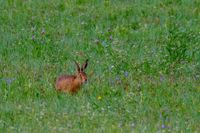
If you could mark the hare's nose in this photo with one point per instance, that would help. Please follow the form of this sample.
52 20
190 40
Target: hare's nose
84 80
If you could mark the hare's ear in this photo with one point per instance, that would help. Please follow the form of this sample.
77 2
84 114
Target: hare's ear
84 66
78 67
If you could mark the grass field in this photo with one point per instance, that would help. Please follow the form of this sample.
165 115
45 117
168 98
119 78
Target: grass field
144 66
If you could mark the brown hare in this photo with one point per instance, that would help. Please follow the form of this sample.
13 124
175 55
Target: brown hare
72 83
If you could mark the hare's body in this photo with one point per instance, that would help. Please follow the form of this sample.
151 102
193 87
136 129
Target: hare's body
67 83
72 83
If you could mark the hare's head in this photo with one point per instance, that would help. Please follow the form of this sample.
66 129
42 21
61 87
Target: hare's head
81 75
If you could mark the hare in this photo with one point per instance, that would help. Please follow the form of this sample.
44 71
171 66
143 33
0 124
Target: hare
72 83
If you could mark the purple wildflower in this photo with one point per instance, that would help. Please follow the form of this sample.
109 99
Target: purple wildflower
110 37
126 74
161 78
9 80
33 37
163 126
117 78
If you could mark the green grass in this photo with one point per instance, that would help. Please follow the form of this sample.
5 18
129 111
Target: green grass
144 65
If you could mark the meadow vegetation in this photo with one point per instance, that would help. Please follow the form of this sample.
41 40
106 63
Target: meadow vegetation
143 71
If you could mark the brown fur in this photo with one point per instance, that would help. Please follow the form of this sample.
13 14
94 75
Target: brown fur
72 83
